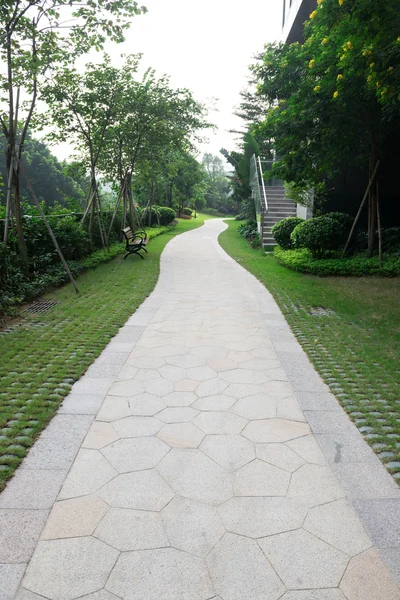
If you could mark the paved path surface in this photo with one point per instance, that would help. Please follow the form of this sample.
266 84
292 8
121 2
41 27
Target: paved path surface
200 477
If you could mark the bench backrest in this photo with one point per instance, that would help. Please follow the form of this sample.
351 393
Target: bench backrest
128 234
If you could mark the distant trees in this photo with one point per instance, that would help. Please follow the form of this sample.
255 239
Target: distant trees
217 191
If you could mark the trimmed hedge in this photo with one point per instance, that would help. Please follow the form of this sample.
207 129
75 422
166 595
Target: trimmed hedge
187 211
354 266
322 235
162 215
283 229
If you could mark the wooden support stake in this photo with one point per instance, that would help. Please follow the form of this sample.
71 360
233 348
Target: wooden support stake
49 229
361 207
378 213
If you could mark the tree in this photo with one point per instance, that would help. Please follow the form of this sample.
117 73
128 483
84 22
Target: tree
217 191
334 99
34 36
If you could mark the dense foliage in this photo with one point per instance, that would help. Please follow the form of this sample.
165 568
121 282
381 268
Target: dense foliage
283 229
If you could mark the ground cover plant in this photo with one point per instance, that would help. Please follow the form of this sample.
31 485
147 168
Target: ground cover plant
43 355
350 329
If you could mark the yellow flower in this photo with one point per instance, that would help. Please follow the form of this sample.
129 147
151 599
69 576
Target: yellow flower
347 46
319 1
324 41
311 63
369 78
377 84
317 88
398 39
339 77
342 57
384 91
371 66
336 94
367 53
313 14
341 2
390 69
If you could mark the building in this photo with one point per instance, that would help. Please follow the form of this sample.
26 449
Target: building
295 13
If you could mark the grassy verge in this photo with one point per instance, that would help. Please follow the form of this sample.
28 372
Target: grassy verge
44 355
353 342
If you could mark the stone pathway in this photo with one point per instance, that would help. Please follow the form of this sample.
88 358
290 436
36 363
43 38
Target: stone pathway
200 476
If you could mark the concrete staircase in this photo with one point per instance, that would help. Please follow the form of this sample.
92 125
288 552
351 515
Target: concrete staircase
279 208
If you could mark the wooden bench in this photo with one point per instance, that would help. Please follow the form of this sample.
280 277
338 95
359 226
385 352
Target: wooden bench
135 242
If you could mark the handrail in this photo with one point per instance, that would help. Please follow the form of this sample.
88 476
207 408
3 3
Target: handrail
263 185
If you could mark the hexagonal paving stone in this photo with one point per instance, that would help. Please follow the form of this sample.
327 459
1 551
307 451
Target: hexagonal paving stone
229 451
280 456
260 479
172 373
367 577
181 435
186 361
241 390
180 399
113 408
135 454
260 364
177 414
259 406
89 473
74 518
240 571
147 375
142 490
146 362
145 405
125 529
192 526
195 476
211 387
275 430
350 537
316 483
127 372
260 517
332 594
303 561
102 595
186 385
245 376
159 387
166 574
219 422
307 447
132 427
127 388
222 364
215 403
66 569
200 373
99 435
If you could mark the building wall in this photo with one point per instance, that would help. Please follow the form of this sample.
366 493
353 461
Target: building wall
295 13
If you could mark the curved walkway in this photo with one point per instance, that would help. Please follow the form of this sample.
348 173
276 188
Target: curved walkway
200 477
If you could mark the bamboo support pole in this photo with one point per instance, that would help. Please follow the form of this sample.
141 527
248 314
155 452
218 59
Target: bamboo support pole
49 229
361 207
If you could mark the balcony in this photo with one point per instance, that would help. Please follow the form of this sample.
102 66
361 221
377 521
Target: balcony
295 13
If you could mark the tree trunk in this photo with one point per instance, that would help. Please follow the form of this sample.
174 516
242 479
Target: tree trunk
18 223
373 199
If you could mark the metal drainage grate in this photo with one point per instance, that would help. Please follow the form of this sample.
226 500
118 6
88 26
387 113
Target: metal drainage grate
319 311
38 308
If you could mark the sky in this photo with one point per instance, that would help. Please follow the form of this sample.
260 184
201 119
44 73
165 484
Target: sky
205 46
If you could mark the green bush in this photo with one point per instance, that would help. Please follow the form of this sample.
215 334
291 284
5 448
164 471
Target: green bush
283 229
157 215
167 215
187 211
357 266
320 235
248 229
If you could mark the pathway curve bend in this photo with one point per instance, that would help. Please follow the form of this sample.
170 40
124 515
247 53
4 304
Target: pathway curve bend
210 469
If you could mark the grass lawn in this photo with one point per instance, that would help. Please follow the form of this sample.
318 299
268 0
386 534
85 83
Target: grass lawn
46 354
354 343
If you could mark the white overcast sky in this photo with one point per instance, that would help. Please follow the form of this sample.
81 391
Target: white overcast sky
205 46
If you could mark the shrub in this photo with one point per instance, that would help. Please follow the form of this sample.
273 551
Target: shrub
355 266
187 211
157 215
283 229
223 210
320 235
248 229
167 215
342 218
